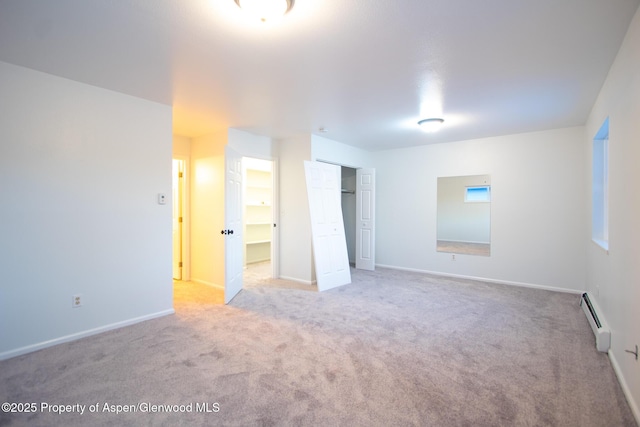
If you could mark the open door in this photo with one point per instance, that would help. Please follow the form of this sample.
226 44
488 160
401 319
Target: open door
327 228
233 224
365 221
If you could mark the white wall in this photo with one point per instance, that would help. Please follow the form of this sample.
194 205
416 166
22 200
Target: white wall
295 222
181 147
207 209
250 145
537 207
80 171
328 150
613 278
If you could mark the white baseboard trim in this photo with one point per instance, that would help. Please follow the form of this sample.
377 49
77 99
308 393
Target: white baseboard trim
484 279
304 282
72 337
625 388
204 282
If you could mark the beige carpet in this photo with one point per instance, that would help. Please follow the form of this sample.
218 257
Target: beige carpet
390 349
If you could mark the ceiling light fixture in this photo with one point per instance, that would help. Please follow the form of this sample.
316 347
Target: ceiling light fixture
431 125
266 9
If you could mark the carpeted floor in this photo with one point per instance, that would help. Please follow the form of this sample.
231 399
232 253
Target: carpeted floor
391 349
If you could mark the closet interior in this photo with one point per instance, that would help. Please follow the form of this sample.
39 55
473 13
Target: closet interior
348 186
258 216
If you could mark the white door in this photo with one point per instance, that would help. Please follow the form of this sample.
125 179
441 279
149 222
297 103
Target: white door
233 224
327 229
365 221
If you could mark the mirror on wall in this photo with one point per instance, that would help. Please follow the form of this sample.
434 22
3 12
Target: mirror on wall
464 215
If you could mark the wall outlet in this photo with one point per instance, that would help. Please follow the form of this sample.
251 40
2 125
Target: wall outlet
76 301
453 257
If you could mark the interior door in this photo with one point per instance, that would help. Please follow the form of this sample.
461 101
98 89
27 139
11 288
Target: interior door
327 228
177 224
365 221
233 224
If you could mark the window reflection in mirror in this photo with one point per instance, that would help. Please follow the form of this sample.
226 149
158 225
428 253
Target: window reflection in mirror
464 215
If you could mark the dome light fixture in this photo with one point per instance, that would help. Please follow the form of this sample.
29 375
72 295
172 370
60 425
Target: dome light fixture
266 10
431 125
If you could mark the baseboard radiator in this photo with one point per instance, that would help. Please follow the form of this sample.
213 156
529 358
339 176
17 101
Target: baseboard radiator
598 325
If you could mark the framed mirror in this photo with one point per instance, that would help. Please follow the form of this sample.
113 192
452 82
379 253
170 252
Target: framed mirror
464 215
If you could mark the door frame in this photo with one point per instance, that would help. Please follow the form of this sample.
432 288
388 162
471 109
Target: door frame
275 211
275 217
186 215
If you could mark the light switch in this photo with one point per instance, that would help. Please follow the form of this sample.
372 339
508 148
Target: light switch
162 198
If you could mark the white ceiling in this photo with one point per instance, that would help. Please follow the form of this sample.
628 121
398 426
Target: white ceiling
367 70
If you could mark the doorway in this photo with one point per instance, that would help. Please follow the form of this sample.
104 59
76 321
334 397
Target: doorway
348 199
358 213
259 223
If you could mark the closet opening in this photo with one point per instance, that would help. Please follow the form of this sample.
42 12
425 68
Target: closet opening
358 214
349 213
258 218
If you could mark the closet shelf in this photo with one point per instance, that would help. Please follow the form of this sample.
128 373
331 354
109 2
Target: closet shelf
258 242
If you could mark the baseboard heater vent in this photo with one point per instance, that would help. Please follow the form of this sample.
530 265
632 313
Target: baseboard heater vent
599 327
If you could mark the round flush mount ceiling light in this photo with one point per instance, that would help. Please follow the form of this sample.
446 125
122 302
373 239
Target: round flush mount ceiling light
266 9
431 125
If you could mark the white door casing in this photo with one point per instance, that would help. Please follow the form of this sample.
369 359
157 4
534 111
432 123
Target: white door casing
177 215
365 220
233 224
327 227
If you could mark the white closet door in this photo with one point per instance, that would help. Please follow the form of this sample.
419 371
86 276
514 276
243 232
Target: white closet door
327 228
233 224
366 219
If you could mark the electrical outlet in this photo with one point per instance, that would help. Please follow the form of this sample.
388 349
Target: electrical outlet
453 257
76 301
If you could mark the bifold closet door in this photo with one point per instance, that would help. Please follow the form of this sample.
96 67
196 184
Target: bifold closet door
366 219
327 227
